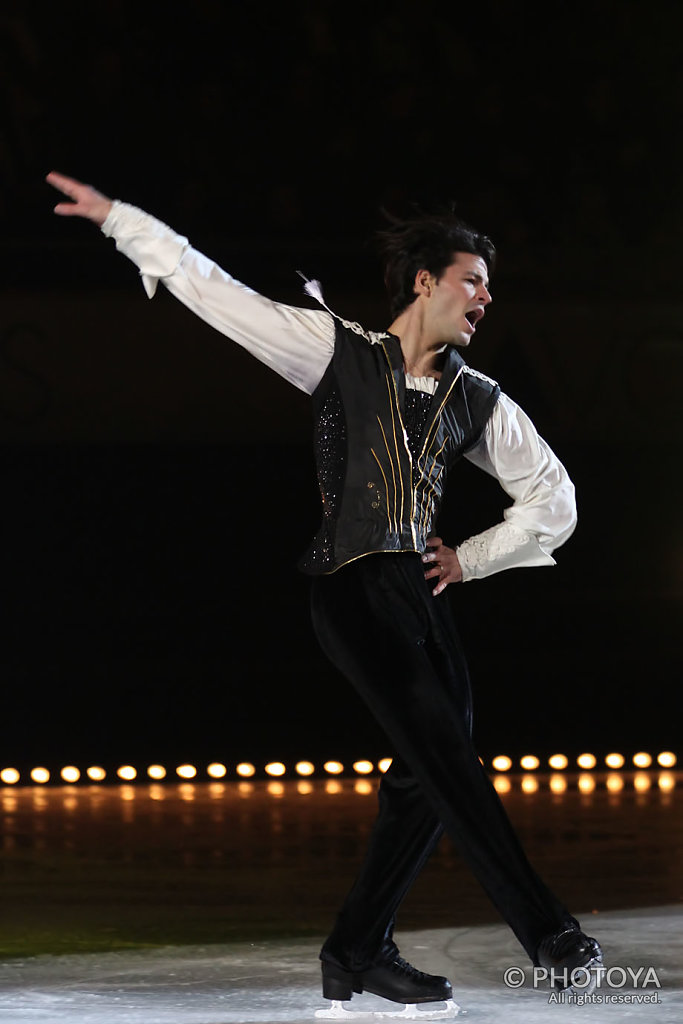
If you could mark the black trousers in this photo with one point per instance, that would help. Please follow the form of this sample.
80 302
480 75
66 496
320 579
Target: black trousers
380 625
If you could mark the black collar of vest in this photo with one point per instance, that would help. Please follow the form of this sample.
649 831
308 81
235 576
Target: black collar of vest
452 365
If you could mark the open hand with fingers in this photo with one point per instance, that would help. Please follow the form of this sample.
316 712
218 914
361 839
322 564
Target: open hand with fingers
85 200
444 562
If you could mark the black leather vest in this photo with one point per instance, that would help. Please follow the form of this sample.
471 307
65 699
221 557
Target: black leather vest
376 495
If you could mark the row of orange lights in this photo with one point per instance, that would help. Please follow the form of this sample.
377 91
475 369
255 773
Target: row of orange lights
275 769
558 762
215 770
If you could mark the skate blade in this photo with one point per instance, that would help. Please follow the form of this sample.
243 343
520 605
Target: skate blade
411 1011
594 968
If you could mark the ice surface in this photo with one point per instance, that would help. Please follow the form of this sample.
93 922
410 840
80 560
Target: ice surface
274 982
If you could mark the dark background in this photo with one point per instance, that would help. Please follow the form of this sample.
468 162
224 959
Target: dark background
157 482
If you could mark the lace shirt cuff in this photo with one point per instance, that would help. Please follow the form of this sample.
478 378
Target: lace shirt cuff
504 546
543 513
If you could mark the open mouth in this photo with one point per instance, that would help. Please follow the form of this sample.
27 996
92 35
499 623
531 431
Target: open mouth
473 316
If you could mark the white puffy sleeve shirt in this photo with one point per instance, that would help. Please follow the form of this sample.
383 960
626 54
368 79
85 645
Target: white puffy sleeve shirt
298 344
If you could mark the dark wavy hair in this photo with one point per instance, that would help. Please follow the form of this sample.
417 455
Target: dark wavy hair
425 241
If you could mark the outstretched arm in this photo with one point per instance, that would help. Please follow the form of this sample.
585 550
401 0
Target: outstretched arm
296 343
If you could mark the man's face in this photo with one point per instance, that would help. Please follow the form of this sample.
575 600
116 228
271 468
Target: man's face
458 300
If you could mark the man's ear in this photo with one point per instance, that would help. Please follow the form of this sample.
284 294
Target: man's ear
423 283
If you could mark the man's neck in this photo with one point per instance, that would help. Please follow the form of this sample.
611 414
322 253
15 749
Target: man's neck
422 356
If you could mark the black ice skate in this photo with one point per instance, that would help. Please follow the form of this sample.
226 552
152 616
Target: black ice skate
571 958
397 981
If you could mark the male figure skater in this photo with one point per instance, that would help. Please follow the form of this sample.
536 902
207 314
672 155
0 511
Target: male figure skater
394 411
